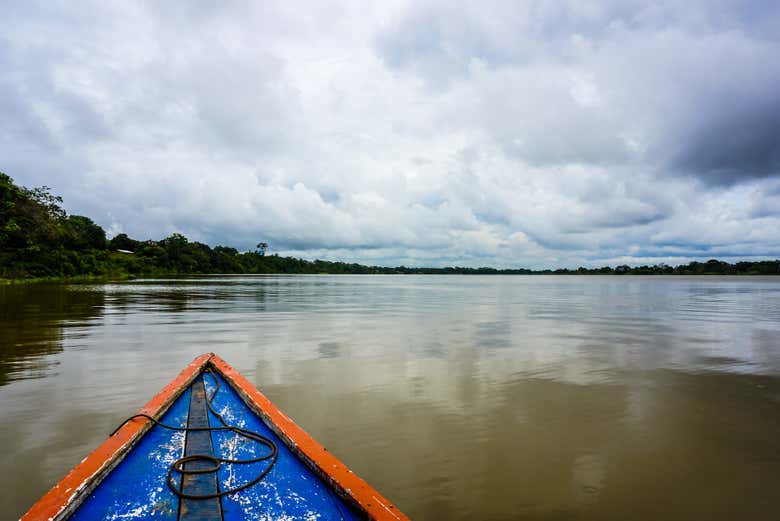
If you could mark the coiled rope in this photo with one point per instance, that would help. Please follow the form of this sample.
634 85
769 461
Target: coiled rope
178 465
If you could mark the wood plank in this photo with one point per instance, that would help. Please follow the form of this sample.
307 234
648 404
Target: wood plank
199 442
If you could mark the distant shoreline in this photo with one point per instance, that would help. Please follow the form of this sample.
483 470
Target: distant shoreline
89 279
40 242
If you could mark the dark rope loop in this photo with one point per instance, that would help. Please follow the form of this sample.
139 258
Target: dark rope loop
178 465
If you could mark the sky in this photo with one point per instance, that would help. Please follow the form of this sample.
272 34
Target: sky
508 134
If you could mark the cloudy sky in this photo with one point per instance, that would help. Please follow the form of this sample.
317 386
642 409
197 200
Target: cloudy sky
539 134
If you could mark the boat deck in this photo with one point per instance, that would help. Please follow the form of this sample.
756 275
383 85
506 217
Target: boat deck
136 488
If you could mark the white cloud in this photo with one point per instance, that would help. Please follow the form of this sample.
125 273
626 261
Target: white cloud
509 134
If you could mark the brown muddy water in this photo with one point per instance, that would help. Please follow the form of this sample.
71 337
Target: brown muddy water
463 397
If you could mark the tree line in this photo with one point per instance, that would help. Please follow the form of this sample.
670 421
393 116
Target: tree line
38 239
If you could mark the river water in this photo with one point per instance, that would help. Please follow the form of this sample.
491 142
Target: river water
462 397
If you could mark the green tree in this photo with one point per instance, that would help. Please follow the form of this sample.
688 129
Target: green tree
83 233
28 217
123 242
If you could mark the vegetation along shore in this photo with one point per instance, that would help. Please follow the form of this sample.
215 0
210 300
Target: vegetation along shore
40 241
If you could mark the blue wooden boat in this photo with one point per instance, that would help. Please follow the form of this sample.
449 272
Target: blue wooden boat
211 446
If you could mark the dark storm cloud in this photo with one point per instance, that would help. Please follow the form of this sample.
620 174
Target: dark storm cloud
731 143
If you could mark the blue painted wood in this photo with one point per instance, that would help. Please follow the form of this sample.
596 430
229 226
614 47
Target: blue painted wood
136 488
290 491
199 442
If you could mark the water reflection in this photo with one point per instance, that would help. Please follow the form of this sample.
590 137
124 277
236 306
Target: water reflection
32 318
329 349
458 397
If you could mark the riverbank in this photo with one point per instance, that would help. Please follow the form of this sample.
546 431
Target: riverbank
125 277
68 280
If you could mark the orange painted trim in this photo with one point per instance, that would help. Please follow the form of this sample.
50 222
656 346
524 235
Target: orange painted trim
307 448
86 474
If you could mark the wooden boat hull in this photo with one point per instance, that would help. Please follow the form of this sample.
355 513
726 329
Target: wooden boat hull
125 478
